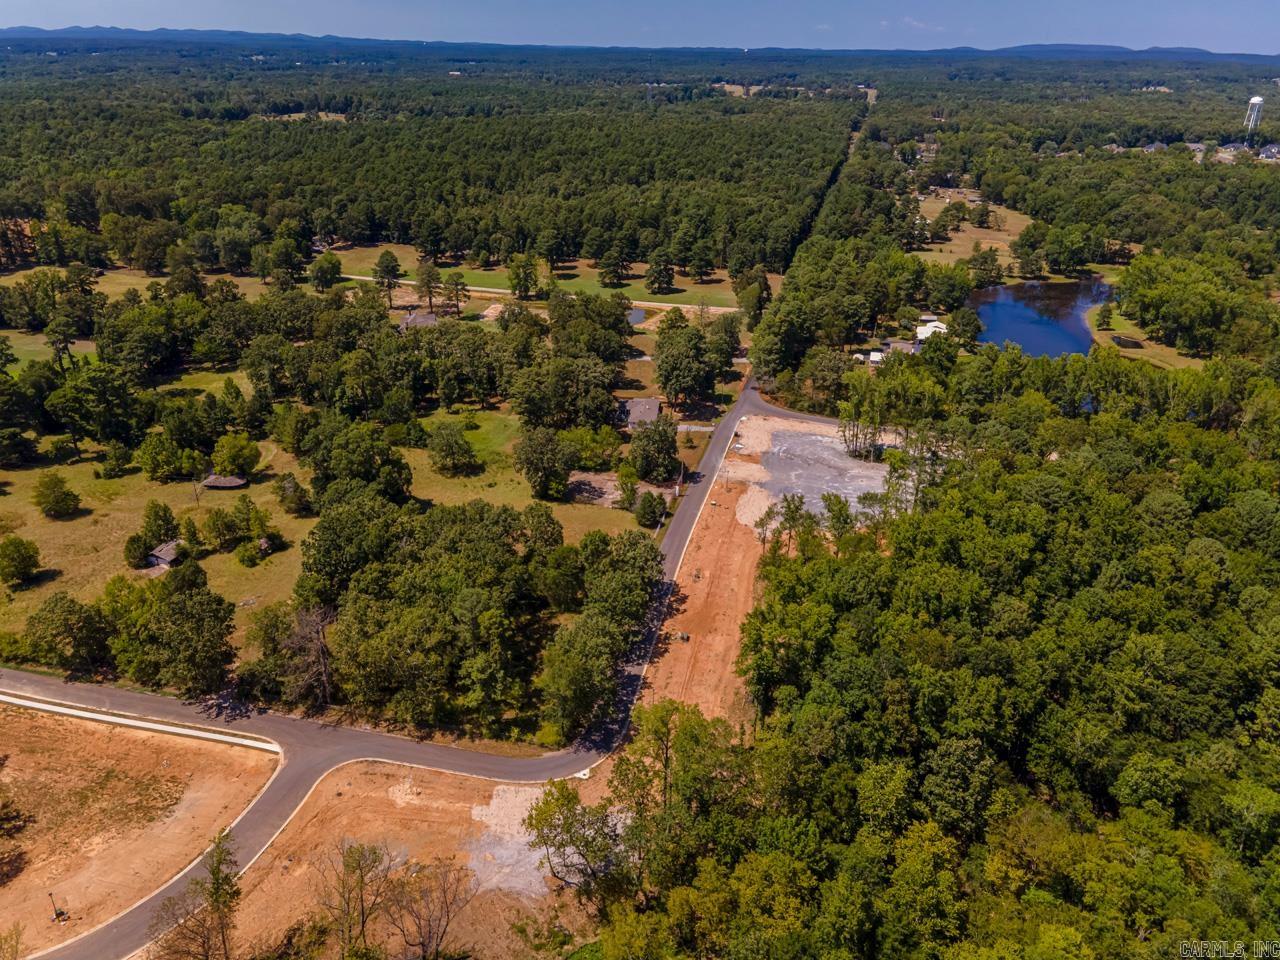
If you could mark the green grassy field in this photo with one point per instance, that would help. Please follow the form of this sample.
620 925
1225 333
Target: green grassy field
32 346
116 281
1150 351
960 244
81 554
202 379
579 277
499 482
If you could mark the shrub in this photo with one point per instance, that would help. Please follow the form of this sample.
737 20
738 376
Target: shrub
116 462
650 509
54 498
19 559
294 497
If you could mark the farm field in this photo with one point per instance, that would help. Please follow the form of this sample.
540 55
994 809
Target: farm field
113 813
81 554
577 277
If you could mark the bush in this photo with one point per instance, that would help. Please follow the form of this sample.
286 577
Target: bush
54 498
650 509
594 449
294 497
627 484
249 554
19 559
116 462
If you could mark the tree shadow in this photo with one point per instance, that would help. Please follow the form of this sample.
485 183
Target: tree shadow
228 706
12 863
42 577
704 409
78 513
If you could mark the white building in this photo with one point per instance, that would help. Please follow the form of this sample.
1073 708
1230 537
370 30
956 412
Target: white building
928 326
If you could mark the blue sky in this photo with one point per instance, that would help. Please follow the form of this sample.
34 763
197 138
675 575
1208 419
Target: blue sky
1251 26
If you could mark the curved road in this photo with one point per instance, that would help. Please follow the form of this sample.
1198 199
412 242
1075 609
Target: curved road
309 749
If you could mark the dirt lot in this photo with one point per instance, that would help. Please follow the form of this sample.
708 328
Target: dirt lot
771 456
114 812
716 592
417 814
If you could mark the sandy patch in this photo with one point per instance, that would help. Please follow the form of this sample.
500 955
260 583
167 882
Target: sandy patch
751 506
755 434
115 813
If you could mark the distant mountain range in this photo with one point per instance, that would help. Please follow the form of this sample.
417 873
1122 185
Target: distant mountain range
1031 50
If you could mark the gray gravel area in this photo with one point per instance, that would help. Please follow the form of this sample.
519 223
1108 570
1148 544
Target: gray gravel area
812 465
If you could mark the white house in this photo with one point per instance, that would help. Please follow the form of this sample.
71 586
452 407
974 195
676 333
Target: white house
928 326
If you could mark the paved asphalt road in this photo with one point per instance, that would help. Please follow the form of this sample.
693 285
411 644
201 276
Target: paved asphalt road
310 748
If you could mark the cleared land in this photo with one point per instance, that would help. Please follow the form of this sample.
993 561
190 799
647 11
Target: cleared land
114 813
576 276
420 815
960 244
80 554
715 592
716 584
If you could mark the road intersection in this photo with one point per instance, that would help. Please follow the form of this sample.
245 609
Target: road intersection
309 749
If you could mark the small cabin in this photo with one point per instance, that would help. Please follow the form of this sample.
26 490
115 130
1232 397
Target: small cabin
164 556
218 481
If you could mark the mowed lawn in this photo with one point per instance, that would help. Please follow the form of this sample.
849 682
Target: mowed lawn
33 346
116 281
81 554
500 483
576 277
960 244
1151 351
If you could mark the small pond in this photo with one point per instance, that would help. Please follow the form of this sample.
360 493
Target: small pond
1045 319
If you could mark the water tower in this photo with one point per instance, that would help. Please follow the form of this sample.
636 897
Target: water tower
1253 116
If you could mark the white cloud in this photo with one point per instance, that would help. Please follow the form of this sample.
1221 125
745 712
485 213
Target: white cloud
921 25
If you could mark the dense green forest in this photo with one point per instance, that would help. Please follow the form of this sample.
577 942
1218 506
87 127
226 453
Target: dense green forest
481 168
1021 705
